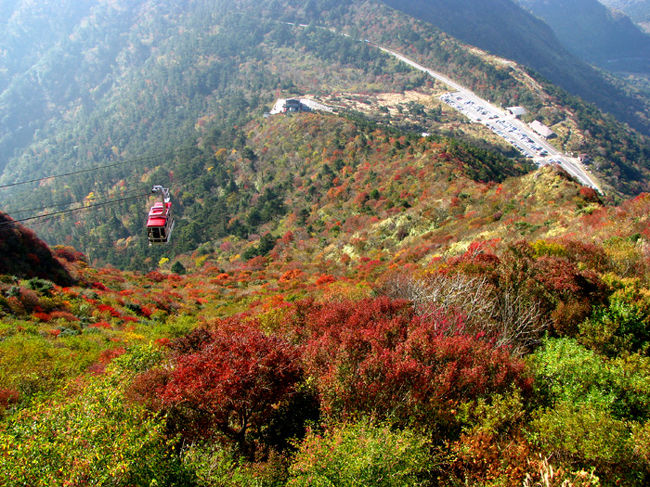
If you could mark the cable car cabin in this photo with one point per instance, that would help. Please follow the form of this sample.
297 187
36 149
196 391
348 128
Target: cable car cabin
160 223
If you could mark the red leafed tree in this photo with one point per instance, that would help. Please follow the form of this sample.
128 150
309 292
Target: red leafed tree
377 356
236 379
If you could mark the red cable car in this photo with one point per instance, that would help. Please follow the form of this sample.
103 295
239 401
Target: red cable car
161 220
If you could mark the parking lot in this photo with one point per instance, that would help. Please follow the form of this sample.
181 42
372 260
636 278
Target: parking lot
505 126
519 138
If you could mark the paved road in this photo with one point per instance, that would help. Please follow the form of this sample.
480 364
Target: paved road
511 129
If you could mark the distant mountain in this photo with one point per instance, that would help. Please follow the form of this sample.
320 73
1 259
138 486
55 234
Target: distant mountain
637 10
55 56
596 34
24 255
504 28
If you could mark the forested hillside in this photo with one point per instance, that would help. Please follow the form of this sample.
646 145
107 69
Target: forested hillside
174 94
508 360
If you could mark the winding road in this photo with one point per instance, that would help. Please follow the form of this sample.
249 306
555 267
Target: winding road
498 116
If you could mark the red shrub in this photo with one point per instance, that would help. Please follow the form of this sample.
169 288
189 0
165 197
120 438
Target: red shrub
29 299
588 194
7 397
146 311
287 238
484 458
64 315
325 279
100 324
237 378
98 285
591 254
69 254
564 291
174 278
377 356
146 386
155 276
108 355
557 274
361 198
105 308
478 258
291 275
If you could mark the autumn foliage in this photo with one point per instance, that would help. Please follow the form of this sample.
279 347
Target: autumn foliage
26 255
236 378
378 356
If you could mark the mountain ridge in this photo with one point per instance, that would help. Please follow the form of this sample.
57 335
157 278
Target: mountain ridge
637 10
596 34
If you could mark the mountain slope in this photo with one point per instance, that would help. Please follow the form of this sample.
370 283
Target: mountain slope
507 30
120 375
465 299
595 34
30 29
183 102
637 10
24 255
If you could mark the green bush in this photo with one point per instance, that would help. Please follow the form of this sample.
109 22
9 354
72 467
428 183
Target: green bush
594 410
30 364
567 371
621 326
216 465
87 437
179 268
139 359
42 286
361 454
586 436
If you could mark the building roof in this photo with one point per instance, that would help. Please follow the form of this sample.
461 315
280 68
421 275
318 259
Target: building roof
517 111
541 129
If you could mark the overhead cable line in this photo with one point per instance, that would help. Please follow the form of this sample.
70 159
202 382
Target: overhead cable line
97 168
61 206
49 216
65 205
